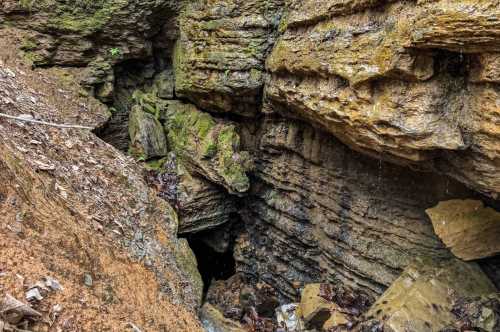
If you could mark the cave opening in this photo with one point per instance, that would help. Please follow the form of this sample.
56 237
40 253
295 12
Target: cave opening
213 263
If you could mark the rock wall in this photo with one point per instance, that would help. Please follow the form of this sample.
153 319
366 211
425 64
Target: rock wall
396 80
319 211
402 82
358 115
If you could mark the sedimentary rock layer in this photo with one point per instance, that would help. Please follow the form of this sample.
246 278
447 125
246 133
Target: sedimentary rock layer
219 59
77 33
319 211
411 83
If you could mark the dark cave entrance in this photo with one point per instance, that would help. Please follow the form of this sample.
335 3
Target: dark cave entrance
213 264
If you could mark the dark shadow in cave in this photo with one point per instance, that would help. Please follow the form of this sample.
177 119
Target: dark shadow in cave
211 264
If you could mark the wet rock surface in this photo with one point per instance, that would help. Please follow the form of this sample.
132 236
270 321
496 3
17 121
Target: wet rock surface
389 78
319 211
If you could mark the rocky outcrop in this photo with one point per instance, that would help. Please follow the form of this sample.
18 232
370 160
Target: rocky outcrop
422 298
78 33
207 147
321 212
200 204
75 209
393 81
469 229
220 54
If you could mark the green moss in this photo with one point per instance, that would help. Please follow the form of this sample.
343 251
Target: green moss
233 165
28 44
81 16
155 164
211 147
33 58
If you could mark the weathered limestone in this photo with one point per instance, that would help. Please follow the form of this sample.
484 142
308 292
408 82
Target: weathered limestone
352 47
200 204
421 299
486 68
471 26
76 33
391 80
207 147
469 229
219 58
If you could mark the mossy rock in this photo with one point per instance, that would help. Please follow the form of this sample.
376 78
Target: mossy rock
207 146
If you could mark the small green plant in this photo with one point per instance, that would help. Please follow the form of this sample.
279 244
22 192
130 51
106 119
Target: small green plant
115 52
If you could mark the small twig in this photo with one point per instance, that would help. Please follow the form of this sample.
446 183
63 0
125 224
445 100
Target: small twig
58 125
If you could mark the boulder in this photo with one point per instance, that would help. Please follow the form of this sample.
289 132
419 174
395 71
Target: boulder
318 312
201 205
147 136
213 320
207 146
467 227
422 298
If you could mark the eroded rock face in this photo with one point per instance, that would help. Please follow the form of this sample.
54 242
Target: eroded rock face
469 229
200 204
422 298
76 33
391 81
219 60
321 212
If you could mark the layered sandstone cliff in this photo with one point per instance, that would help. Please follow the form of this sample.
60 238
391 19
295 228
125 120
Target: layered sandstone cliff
323 129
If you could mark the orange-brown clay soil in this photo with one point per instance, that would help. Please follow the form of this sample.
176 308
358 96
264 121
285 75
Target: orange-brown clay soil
72 205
